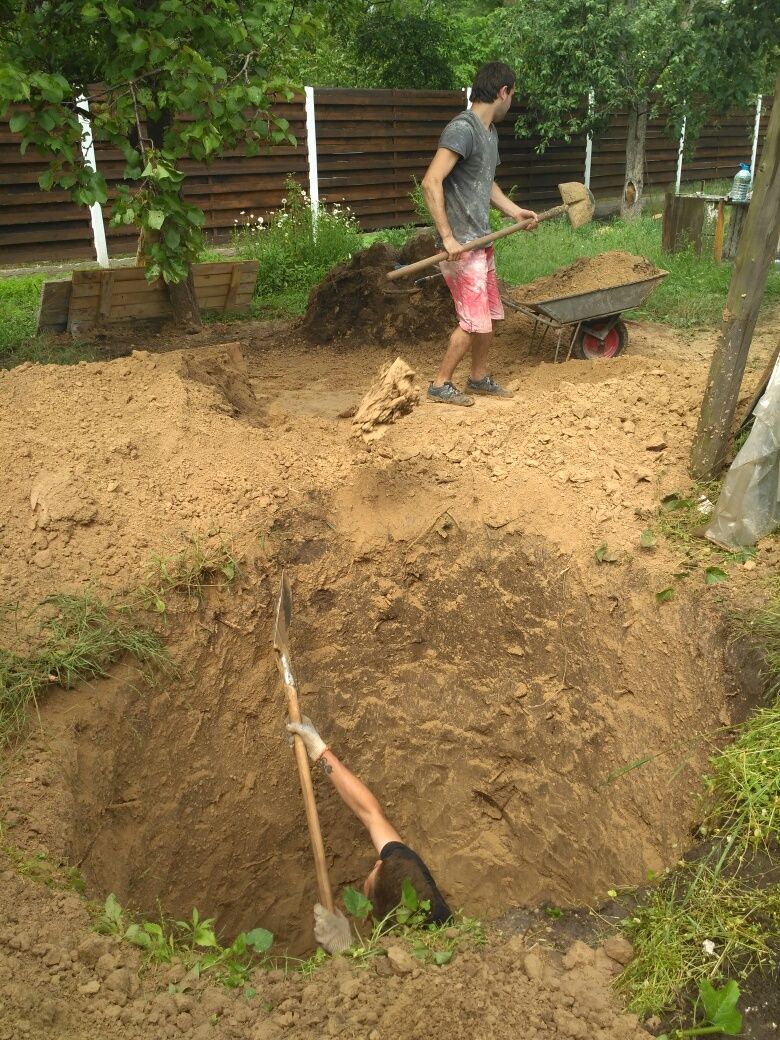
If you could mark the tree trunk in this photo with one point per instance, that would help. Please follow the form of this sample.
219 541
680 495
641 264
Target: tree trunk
755 252
631 203
184 302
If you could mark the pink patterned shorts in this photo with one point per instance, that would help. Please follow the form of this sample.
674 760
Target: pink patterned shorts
472 281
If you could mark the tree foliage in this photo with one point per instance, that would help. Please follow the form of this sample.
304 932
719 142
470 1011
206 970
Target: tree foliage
165 81
686 57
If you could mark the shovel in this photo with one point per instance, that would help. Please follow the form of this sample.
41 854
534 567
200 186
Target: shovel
282 650
578 205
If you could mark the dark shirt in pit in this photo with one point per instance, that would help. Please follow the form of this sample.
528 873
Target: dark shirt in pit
440 913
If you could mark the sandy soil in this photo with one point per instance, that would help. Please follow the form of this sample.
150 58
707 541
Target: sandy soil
587 275
455 639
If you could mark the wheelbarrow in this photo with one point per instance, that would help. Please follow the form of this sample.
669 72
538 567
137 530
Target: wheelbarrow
597 329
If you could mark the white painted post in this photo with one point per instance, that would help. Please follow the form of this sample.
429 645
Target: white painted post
468 97
95 210
680 156
756 130
311 147
589 140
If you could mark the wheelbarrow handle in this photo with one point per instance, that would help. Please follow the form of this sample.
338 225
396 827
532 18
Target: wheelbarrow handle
477 243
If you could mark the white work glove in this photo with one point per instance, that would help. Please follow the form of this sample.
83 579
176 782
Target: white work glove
331 930
315 745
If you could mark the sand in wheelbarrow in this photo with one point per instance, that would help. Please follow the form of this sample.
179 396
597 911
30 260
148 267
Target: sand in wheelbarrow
587 275
356 303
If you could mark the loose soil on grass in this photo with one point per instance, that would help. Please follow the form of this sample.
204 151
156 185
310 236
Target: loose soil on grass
455 640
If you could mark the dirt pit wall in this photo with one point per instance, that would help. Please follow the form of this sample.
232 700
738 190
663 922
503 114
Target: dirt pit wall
486 692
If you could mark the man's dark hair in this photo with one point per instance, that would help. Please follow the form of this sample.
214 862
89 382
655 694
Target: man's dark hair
490 79
404 865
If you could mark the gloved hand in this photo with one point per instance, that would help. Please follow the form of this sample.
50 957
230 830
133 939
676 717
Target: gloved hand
305 729
331 930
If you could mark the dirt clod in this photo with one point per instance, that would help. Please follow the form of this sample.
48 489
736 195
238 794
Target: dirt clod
393 395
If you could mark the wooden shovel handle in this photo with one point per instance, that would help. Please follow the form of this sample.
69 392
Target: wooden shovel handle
310 806
477 243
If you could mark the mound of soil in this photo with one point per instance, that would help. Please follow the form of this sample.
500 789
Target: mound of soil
587 275
355 301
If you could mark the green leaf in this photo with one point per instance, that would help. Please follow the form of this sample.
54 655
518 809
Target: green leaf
229 570
155 218
18 122
647 539
172 237
356 904
46 180
136 935
442 957
409 895
720 1006
714 575
604 554
665 595
260 939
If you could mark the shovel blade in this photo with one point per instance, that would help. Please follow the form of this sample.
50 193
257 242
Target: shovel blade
282 618
579 202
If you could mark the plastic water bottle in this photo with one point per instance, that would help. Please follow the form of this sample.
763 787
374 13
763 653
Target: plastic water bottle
742 183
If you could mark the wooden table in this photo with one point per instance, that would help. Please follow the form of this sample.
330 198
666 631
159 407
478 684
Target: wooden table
684 223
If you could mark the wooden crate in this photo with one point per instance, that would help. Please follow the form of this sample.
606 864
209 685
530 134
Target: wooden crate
125 294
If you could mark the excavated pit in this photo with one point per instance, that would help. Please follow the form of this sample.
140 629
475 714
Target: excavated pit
483 688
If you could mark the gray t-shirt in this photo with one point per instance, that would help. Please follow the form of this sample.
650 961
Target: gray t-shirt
467 188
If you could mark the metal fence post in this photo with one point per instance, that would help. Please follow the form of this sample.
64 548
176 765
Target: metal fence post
95 210
756 132
311 148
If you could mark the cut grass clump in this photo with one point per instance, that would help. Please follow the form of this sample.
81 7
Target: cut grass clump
697 925
681 517
82 638
196 567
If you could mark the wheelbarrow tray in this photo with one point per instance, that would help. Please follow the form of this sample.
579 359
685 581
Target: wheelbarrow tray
599 303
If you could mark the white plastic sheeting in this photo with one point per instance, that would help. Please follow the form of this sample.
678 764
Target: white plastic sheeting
749 504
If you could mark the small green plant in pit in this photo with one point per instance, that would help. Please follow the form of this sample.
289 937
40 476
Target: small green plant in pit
82 638
720 1012
697 924
429 943
196 567
194 942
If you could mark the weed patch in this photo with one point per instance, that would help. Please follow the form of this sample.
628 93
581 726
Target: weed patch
81 638
19 299
196 567
295 249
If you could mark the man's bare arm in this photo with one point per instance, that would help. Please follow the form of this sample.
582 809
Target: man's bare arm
432 185
363 803
505 205
353 791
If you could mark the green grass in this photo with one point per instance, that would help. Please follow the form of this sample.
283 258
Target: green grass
697 905
718 901
191 570
692 296
81 637
19 299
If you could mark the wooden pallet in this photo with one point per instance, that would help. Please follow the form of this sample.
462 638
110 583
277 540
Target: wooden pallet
98 298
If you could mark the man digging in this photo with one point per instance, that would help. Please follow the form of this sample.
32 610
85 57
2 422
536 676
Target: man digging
459 188
396 864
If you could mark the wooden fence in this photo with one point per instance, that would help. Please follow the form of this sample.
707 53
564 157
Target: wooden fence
370 146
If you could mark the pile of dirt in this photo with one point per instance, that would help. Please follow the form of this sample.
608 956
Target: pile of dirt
587 275
355 302
393 395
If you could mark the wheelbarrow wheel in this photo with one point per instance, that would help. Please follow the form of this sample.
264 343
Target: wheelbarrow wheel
588 347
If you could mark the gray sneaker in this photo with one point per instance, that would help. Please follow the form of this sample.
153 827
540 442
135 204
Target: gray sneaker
488 387
448 394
